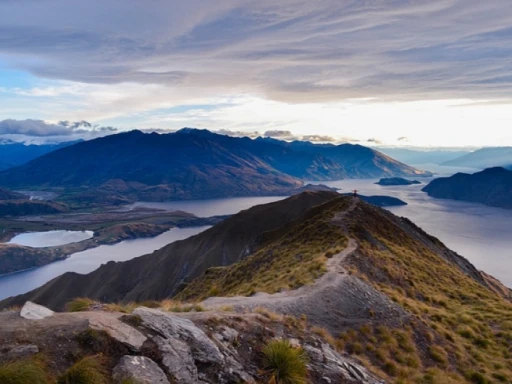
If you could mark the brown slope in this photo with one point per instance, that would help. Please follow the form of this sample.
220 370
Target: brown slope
160 274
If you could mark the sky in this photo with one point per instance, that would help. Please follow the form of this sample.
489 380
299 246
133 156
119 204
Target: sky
434 73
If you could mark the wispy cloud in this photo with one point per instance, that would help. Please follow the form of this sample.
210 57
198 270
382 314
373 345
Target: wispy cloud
291 50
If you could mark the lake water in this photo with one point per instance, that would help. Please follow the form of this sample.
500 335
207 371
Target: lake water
88 261
50 238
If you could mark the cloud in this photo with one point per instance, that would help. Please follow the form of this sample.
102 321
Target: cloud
30 128
294 51
403 138
374 141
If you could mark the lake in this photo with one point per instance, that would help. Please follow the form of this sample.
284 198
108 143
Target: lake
50 238
88 261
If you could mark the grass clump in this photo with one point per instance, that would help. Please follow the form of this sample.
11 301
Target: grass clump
79 304
284 364
89 370
23 372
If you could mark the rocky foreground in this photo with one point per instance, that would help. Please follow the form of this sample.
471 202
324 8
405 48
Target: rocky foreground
156 346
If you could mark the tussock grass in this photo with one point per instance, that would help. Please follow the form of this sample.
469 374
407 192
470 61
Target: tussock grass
89 370
79 304
284 364
27 371
460 331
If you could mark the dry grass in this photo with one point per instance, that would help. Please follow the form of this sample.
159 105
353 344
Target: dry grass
461 331
89 370
79 304
28 371
286 259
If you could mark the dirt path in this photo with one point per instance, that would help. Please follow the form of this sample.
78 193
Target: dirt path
335 301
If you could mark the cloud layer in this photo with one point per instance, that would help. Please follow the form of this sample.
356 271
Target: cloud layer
290 50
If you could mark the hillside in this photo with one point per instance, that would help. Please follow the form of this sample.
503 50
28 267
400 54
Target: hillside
169 267
492 187
13 154
10 195
195 164
484 158
373 285
30 207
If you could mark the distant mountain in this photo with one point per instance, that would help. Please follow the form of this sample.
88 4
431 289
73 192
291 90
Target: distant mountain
484 158
396 181
422 156
197 164
492 187
13 153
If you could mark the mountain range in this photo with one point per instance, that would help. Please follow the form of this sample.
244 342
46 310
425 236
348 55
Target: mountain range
423 156
484 158
492 186
13 153
196 164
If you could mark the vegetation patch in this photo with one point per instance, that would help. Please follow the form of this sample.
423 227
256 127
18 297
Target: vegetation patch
284 363
79 304
29 371
89 370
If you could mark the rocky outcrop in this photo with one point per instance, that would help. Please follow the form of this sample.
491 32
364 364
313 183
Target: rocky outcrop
32 311
139 369
156 346
118 330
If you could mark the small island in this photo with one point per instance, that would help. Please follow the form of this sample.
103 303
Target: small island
381 201
386 182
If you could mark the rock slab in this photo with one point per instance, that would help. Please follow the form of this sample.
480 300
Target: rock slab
32 311
118 330
140 369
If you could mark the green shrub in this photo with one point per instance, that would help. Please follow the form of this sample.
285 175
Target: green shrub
79 304
23 372
89 370
284 364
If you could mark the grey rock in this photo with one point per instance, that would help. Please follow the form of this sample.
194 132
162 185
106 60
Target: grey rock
22 351
172 327
332 366
139 368
229 334
177 359
118 330
32 311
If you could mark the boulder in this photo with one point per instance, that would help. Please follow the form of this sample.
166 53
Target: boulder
177 359
21 351
140 369
118 330
173 327
32 311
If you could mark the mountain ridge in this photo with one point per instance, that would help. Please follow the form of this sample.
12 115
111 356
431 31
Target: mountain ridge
195 164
